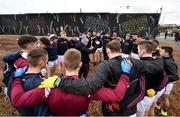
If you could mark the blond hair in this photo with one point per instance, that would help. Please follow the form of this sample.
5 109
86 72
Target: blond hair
72 58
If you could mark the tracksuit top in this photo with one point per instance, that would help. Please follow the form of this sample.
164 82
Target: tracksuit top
171 69
97 38
85 53
52 52
62 46
31 81
155 81
134 47
126 47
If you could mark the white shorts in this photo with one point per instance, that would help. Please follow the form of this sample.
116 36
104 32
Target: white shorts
60 58
135 55
144 105
134 115
159 94
168 88
125 55
52 63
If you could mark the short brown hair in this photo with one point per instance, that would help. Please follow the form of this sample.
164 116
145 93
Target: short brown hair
114 46
45 41
168 49
72 58
24 40
35 56
155 43
147 45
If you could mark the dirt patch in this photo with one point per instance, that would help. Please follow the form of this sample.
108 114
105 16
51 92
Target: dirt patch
9 44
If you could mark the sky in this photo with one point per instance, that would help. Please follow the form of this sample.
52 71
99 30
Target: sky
170 13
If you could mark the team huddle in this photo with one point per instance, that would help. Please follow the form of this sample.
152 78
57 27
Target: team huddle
49 76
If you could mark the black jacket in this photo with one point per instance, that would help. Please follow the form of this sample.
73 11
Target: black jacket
62 46
126 46
134 47
155 81
72 44
156 53
100 76
89 42
52 52
97 39
85 52
171 69
135 90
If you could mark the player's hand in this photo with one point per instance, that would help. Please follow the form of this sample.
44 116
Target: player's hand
20 72
126 66
51 82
